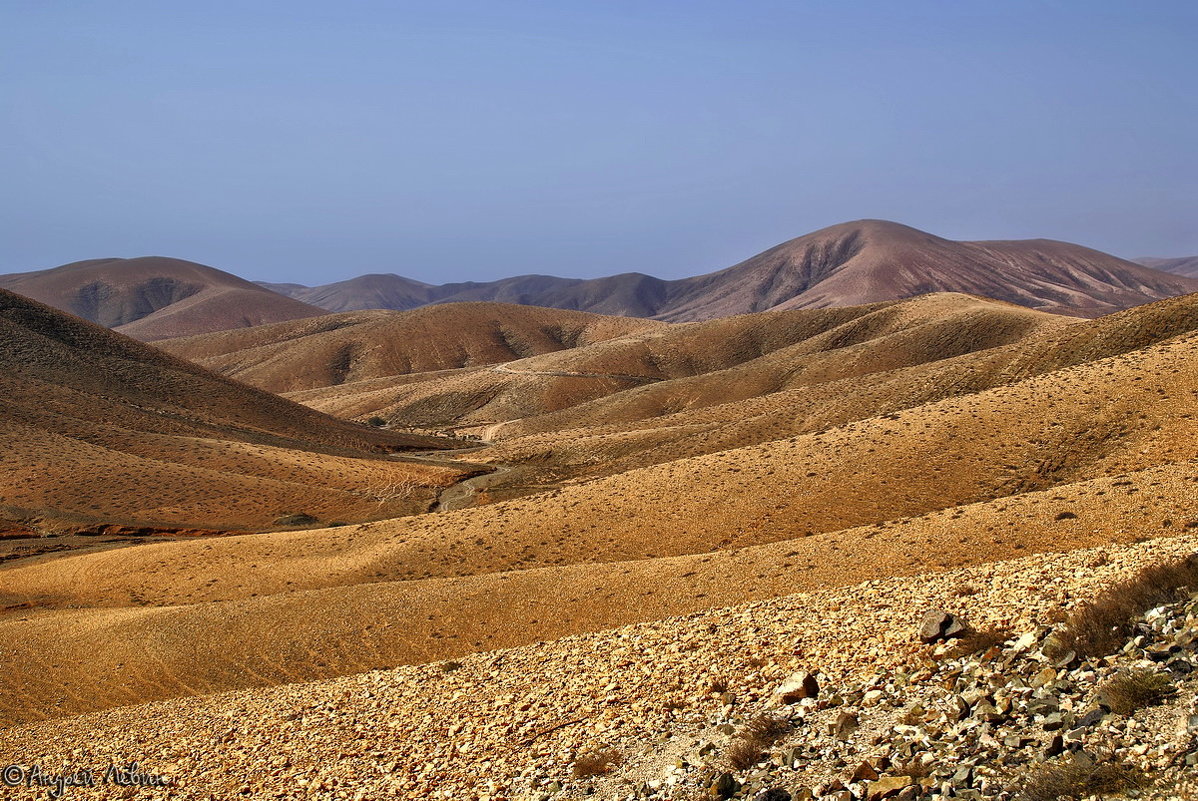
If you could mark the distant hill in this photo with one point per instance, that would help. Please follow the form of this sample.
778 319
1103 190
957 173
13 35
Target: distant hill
849 264
628 295
373 291
101 429
1186 265
153 297
353 346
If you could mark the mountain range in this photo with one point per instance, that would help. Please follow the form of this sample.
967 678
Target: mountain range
843 265
866 261
478 496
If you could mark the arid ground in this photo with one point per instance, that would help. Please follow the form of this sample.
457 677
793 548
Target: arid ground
558 505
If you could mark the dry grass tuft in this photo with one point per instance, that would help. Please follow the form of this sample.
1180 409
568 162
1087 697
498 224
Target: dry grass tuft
1072 780
597 763
1101 626
758 734
1129 690
744 754
765 729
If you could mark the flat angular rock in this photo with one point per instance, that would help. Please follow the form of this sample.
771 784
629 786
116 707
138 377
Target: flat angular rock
724 786
886 787
797 687
938 625
864 772
846 723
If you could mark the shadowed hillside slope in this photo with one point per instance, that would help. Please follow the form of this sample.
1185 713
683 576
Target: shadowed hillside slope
729 359
675 419
98 428
352 346
1094 420
153 297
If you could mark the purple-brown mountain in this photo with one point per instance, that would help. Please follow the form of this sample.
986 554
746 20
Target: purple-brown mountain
154 297
844 265
1186 265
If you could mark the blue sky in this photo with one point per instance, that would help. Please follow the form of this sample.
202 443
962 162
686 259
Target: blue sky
312 141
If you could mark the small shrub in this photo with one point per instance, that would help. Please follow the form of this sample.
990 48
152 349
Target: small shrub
765 729
297 519
1072 780
758 734
597 763
1129 690
1100 627
744 754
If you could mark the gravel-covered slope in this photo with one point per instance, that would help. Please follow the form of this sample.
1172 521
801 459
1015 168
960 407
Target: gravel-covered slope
513 724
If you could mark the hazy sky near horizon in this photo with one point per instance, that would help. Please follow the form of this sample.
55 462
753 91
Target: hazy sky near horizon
471 140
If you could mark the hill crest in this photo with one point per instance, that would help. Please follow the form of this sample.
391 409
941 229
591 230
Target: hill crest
154 297
851 263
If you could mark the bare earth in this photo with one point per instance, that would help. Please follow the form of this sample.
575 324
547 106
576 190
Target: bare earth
669 502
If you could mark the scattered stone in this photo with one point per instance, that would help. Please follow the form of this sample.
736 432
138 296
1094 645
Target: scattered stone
846 723
886 787
724 786
864 772
1055 746
797 687
938 625
773 794
973 725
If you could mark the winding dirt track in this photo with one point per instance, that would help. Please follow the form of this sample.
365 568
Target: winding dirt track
463 494
499 368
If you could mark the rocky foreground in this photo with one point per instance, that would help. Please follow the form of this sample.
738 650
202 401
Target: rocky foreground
831 695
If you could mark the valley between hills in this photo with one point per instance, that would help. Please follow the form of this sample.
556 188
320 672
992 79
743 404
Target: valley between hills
456 549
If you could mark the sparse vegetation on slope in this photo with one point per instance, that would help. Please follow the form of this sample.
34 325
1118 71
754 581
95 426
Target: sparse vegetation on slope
99 429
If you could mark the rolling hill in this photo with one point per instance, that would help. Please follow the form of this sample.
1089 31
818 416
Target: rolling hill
153 297
1185 266
373 291
656 370
352 346
1081 443
848 264
100 429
